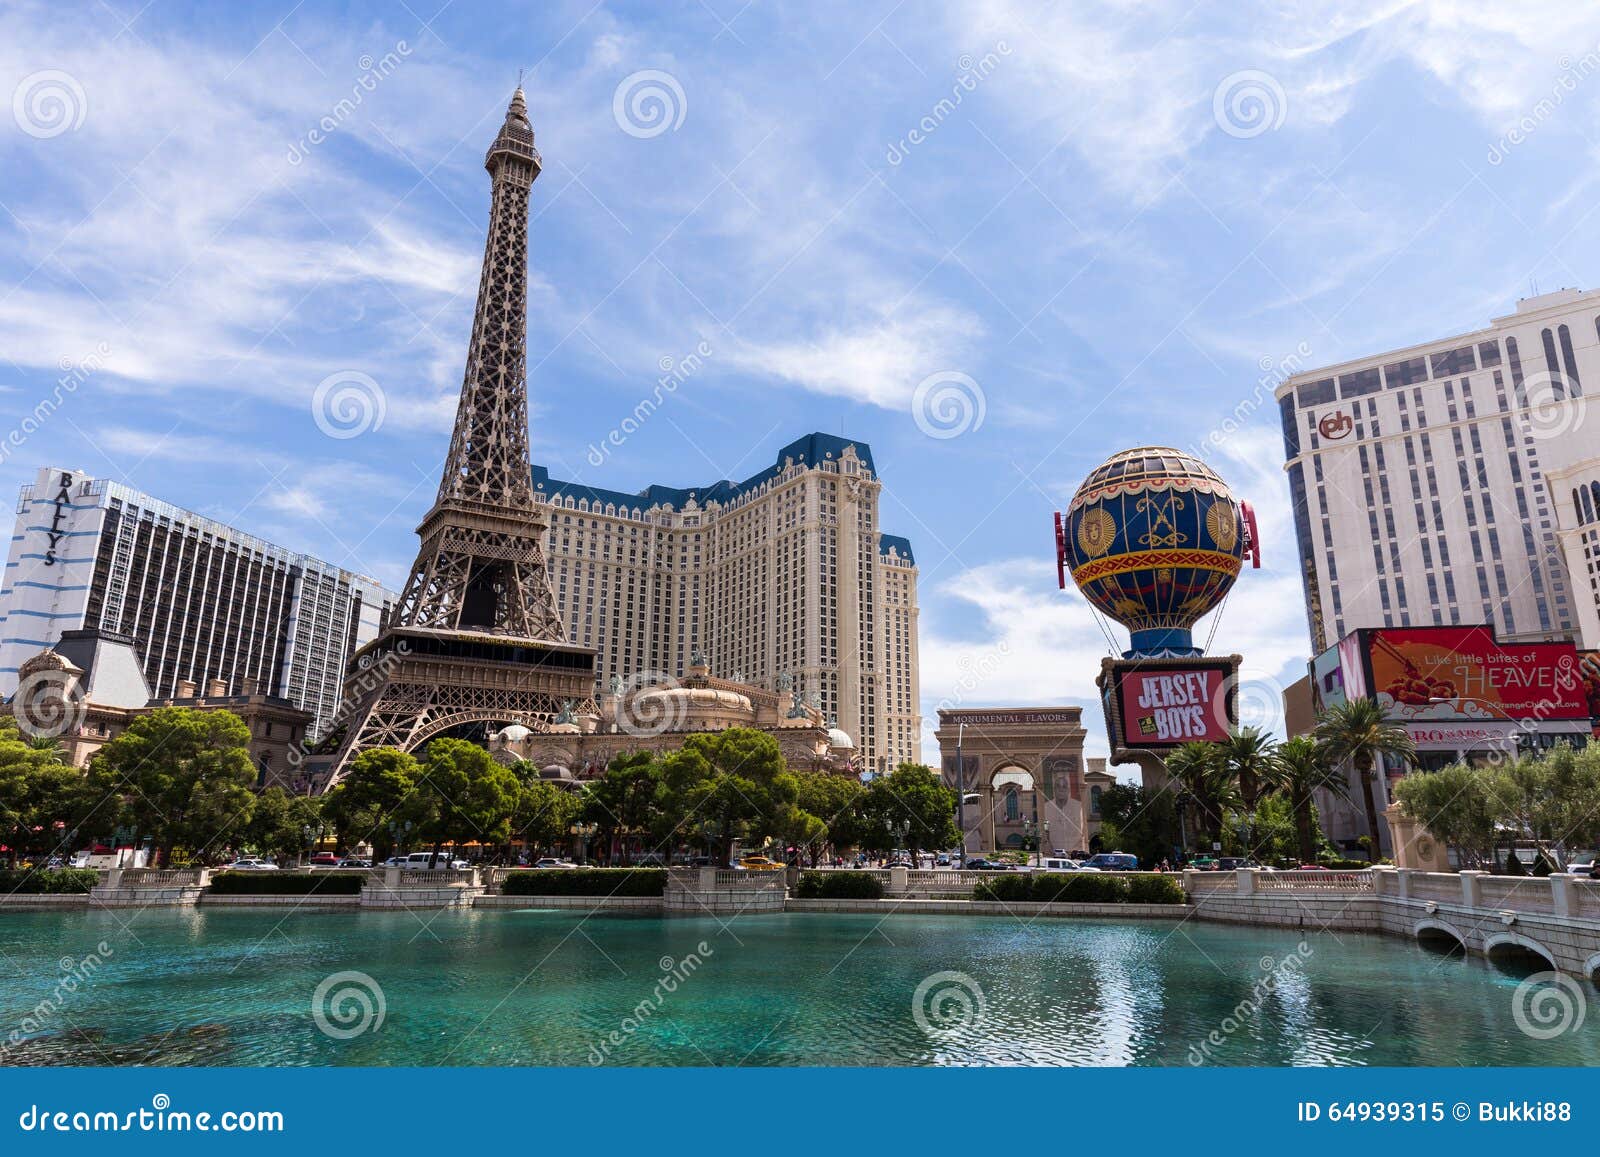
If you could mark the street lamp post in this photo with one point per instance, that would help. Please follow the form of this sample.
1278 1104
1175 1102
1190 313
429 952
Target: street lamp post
961 797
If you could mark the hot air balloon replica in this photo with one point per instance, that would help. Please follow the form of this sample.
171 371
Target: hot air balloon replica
1154 540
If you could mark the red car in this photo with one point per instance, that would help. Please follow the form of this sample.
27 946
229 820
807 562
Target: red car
325 860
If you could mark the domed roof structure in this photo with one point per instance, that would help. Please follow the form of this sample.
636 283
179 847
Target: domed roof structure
1154 539
514 733
838 738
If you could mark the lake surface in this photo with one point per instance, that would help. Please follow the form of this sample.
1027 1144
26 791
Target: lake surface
251 987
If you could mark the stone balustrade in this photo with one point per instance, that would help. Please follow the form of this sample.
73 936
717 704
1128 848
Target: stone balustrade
1556 918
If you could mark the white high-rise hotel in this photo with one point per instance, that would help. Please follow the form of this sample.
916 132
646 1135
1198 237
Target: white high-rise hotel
783 573
1454 482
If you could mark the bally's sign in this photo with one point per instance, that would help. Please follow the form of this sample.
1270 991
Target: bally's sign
63 504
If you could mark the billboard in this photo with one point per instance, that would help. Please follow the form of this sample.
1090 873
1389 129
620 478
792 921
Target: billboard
1464 674
1327 680
1166 706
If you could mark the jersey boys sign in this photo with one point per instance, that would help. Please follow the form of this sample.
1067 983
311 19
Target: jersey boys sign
1166 707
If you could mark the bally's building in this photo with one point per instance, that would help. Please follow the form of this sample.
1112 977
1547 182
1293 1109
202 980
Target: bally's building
785 573
201 601
1456 481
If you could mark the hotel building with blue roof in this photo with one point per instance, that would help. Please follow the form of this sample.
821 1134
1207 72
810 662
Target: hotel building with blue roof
785 572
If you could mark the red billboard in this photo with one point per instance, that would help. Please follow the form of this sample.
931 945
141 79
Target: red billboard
1166 706
1464 673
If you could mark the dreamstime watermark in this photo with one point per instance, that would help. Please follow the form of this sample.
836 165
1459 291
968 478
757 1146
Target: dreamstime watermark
948 404
372 73
73 375
1275 971
1273 373
347 404
160 1117
645 706
48 103
1253 698
674 372
970 74
948 1005
357 690
1550 410
75 975
1549 1004
674 973
49 703
1248 103
648 103
349 1004
1573 74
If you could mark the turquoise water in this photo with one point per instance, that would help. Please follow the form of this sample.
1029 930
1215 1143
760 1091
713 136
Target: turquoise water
520 988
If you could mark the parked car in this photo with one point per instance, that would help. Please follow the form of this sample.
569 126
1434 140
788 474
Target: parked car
1114 862
324 860
252 864
942 859
549 862
1582 864
759 864
979 864
1063 864
427 860
354 862
1311 867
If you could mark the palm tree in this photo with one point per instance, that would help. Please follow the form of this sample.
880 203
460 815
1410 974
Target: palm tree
1304 766
1197 768
1357 732
1248 756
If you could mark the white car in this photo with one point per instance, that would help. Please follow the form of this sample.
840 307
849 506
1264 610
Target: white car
252 864
549 863
1052 864
426 860
1582 864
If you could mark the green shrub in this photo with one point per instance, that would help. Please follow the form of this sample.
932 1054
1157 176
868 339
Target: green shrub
839 886
585 882
1342 865
41 881
1154 890
1080 888
287 883
1011 887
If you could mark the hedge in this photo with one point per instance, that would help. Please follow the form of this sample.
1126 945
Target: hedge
839 886
1079 888
39 881
287 883
585 882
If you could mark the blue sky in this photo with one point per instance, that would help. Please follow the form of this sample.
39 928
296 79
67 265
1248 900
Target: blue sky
1119 221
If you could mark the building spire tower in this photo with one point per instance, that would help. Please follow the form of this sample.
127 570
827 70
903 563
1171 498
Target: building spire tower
476 637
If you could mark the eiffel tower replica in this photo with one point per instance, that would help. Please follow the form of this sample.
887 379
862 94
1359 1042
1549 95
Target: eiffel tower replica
476 637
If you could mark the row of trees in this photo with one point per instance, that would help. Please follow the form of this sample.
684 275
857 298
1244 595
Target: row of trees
1551 800
178 777
1253 795
183 781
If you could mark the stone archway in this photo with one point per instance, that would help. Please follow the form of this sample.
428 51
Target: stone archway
1046 743
1010 807
1506 947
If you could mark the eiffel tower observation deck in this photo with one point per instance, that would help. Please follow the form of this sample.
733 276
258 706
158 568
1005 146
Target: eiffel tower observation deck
476 638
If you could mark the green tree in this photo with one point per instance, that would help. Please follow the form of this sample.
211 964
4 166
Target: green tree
734 781
1249 758
1303 767
1454 804
378 793
545 812
279 824
183 779
909 807
836 801
1356 732
1144 823
41 798
1197 768
625 804
466 795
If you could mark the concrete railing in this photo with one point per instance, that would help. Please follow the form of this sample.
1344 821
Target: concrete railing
156 877
1312 881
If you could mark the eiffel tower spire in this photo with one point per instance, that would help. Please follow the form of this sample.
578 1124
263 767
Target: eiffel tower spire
482 559
476 637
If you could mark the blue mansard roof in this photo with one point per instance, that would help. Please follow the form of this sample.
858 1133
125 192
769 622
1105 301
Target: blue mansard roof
806 451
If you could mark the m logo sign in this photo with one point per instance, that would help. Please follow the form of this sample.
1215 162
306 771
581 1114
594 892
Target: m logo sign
1335 425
